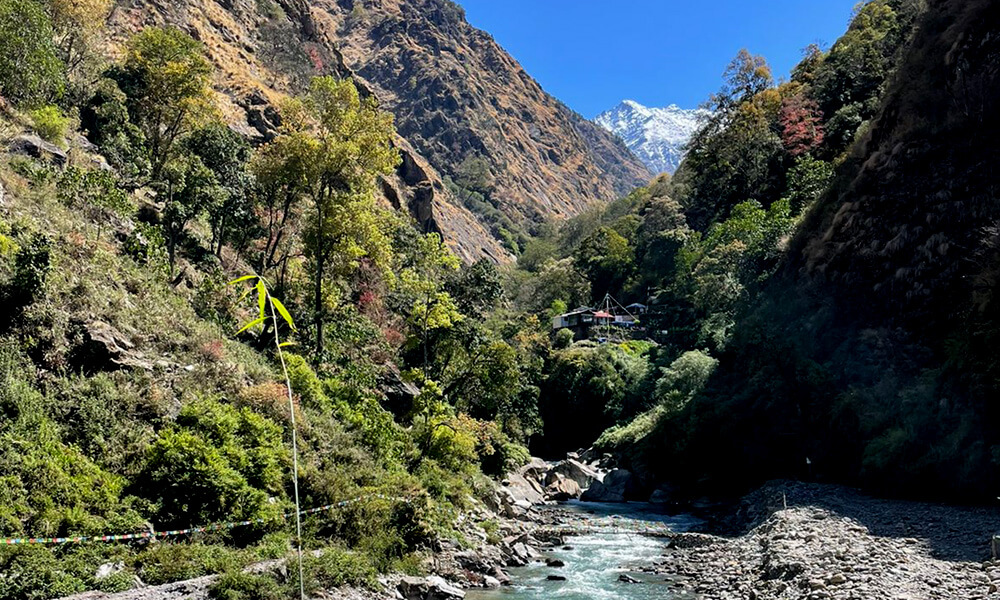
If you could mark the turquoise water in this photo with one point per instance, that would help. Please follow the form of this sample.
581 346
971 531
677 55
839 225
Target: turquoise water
595 559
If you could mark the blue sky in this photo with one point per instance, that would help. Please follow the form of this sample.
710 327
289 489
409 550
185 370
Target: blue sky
591 54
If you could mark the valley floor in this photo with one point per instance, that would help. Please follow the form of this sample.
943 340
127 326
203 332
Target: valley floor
785 541
807 541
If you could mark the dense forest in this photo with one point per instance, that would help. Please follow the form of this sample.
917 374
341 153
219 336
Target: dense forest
819 277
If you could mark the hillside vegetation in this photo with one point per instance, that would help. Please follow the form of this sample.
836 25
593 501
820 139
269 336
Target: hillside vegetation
820 270
819 274
140 392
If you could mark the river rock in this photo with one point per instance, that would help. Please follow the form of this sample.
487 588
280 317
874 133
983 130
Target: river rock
524 484
583 475
556 578
626 578
430 588
562 488
618 486
665 494
36 147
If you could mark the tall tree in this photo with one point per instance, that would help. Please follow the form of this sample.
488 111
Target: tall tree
226 154
165 76
337 145
30 71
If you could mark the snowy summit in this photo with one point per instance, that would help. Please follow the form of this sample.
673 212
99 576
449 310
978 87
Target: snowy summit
657 136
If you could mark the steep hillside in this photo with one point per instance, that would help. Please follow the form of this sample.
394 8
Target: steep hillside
872 355
456 95
658 136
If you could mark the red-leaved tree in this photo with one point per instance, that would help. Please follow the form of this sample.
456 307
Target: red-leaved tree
801 125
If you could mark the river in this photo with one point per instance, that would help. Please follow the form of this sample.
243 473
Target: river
611 544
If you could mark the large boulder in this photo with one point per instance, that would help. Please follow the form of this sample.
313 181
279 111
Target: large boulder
430 588
665 494
103 348
562 488
618 486
583 475
524 485
36 147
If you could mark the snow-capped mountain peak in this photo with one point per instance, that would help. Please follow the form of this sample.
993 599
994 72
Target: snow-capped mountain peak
656 135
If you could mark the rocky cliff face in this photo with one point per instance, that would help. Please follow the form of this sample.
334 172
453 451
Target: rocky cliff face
454 92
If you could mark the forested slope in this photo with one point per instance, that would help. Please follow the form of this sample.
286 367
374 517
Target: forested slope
172 295
872 353
819 271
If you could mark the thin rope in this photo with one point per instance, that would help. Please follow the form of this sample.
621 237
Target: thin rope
295 449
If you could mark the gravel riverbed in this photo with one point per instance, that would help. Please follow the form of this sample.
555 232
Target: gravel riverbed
790 541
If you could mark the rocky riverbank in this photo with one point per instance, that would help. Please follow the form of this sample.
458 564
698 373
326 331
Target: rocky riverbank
786 541
805 541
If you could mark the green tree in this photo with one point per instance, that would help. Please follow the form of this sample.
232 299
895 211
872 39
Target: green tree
105 120
478 288
738 153
226 153
31 73
807 180
607 260
474 175
165 77
422 297
339 144
188 188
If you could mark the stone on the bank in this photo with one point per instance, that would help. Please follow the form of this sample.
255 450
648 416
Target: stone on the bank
36 147
618 486
108 569
663 495
563 488
431 588
583 475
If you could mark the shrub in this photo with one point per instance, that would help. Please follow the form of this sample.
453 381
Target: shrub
219 463
167 562
686 375
33 573
32 263
105 119
246 586
564 339
97 193
50 123
145 244
336 567
30 71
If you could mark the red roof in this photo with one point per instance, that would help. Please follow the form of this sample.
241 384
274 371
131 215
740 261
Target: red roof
602 315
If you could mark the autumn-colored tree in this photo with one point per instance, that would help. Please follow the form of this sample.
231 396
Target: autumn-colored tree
801 125
76 24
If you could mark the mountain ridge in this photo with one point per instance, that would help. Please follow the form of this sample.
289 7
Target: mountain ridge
454 92
658 136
